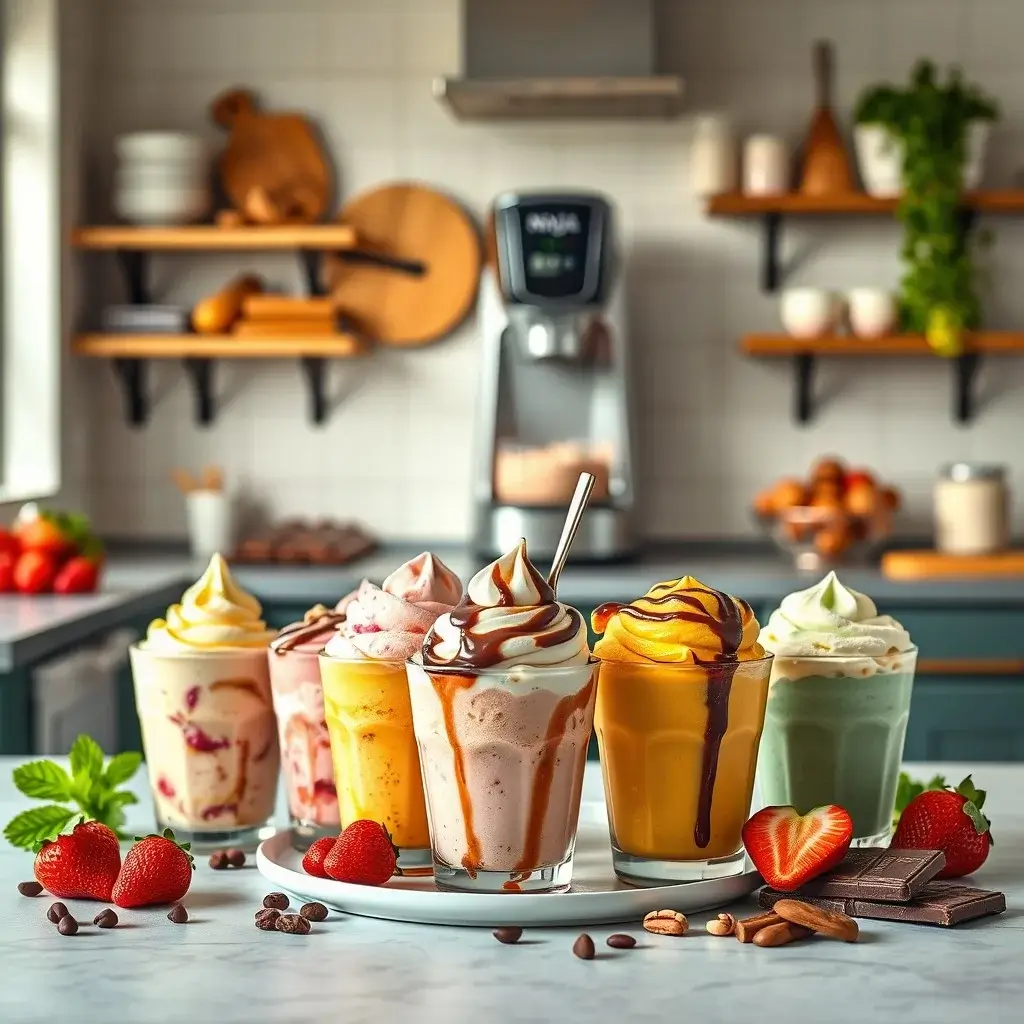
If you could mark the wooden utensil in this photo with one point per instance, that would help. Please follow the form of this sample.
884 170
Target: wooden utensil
436 241
926 565
217 312
287 307
293 327
826 165
183 481
273 167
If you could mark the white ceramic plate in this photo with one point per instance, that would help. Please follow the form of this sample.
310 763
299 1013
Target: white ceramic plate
596 897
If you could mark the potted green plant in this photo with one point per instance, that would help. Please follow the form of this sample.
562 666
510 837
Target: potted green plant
935 132
945 112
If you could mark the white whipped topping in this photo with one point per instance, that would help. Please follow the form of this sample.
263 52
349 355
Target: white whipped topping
831 620
511 603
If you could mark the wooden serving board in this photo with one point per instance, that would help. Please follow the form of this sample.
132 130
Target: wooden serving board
273 168
926 565
420 227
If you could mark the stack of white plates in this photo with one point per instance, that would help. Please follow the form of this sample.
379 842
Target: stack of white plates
161 178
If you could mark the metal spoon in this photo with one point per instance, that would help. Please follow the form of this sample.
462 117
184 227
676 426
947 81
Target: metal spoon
584 486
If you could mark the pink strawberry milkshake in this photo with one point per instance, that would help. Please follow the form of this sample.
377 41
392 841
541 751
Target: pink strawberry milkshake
503 705
299 705
366 699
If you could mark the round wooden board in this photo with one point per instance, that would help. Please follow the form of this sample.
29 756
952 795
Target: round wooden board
410 222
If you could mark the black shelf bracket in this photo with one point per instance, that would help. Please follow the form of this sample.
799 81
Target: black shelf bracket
771 272
803 385
966 370
312 262
315 369
201 373
132 374
134 265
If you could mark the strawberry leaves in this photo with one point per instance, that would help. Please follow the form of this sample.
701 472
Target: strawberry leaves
908 789
975 800
91 789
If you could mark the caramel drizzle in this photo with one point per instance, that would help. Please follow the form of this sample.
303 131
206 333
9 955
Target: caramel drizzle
297 634
727 625
446 687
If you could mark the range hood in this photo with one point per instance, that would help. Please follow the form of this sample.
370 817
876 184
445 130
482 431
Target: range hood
538 59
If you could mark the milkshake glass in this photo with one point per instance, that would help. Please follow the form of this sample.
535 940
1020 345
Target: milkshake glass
305 743
838 707
366 701
503 703
202 689
679 715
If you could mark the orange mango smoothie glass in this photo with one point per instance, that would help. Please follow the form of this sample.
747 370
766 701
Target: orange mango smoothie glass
366 701
679 713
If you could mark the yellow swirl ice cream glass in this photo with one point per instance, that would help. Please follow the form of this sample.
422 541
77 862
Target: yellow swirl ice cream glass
202 689
680 708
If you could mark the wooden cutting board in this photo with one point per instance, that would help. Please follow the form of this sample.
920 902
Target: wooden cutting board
425 230
273 168
826 165
929 565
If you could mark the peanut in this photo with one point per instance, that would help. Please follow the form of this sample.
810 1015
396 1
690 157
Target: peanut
724 924
666 922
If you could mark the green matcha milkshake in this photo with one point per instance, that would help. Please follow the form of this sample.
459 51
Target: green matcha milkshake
838 705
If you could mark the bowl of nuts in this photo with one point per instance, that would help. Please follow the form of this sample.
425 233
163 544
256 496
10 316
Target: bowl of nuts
837 516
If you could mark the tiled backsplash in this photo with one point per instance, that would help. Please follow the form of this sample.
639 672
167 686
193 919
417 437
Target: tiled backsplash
714 427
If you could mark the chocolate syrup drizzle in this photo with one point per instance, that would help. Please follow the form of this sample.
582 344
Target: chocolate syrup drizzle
477 651
297 634
727 625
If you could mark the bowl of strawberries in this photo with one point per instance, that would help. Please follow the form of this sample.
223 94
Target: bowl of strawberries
837 515
46 551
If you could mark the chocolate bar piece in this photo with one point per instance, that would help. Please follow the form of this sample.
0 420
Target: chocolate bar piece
945 903
877 873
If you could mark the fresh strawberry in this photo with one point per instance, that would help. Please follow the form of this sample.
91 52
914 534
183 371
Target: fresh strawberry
790 849
363 854
7 563
82 865
313 861
78 575
858 478
34 572
44 535
156 869
9 544
949 820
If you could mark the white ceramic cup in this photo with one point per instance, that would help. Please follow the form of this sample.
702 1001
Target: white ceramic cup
210 528
766 166
810 312
871 312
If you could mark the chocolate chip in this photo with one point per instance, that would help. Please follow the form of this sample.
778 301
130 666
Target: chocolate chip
295 924
583 947
105 919
508 936
29 888
56 912
314 912
276 901
266 920
178 914
218 860
236 858
621 941
67 925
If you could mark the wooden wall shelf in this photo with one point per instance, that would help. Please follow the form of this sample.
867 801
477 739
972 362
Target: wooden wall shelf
130 353
772 210
804 353
197 237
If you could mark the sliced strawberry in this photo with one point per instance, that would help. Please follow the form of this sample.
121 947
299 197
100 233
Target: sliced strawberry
790 849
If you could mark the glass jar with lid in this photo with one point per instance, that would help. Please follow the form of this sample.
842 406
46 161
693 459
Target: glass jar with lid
972 509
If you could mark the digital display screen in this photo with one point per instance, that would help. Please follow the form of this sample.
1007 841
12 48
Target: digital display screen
555 240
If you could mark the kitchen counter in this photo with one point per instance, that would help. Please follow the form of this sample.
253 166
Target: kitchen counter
141 582
219 967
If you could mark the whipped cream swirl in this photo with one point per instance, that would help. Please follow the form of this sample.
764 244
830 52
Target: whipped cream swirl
831 620
510 617
388 623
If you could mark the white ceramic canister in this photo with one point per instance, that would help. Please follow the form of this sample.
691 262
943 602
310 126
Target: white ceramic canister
972 509
766 166
872 312
714 162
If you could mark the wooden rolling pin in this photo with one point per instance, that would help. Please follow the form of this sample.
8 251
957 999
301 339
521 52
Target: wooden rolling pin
216 313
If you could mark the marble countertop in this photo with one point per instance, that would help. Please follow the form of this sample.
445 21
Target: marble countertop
141 582
220 968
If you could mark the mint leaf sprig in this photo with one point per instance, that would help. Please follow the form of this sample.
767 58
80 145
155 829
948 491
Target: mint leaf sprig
89 787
